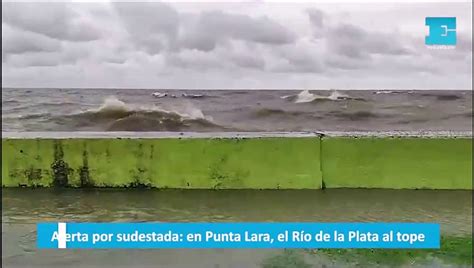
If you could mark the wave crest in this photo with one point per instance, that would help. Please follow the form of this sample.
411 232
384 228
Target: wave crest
305 96
116 115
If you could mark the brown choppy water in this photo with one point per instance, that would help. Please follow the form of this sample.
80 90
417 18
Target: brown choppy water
202 111
234 110
23 208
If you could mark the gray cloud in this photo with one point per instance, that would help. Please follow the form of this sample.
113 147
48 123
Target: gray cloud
347 63
199 45
353 41
34 60
46 59
231 55
214 26
55 20
316 19
464 42
19 42
189 59
27 49
152 26
303 57
248 61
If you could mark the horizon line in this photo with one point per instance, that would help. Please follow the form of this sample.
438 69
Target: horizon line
149 88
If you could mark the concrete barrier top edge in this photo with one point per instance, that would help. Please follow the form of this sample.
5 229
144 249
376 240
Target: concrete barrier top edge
155 135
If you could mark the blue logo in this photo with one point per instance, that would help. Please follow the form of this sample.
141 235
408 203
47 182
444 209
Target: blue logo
442 31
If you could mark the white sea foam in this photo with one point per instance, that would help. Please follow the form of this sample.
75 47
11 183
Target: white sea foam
305 96
112 105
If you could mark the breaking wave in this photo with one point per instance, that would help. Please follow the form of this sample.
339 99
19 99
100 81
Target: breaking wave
116 115
305 96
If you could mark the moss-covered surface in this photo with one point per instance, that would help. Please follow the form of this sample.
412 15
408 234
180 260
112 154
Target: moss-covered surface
257 163
397 163
454 252
240 163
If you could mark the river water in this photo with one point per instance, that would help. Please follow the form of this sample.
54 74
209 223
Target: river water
23 208
53 109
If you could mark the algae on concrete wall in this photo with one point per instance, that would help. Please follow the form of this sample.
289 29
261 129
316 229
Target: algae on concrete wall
257 163
240 163
397 162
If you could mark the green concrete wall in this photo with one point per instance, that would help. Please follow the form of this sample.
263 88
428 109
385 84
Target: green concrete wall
397 163
235 163
257 163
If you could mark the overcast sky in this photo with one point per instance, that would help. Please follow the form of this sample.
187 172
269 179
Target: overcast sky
233 45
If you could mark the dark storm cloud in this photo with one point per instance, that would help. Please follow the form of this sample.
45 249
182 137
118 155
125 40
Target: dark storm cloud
55 20
152 26
214 26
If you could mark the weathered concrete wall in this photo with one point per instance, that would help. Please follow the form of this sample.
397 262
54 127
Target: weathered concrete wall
397 162
255 161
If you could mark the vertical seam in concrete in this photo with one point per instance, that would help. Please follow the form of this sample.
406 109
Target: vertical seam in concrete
320 137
